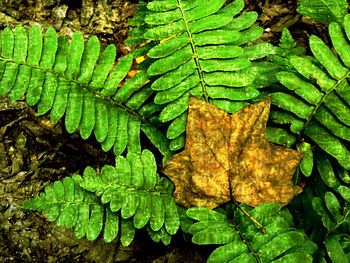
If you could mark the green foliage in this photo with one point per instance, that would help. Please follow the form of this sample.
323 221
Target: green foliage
193 48
286 48
326 11
78 82
332 204
316 94
204 50
241 241
136 195
71 206
315 102
134 188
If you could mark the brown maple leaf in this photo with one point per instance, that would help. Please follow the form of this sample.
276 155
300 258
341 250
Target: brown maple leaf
229 156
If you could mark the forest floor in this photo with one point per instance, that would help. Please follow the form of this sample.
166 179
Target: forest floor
34 152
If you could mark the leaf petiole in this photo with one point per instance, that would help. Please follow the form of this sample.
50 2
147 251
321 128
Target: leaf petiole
252 219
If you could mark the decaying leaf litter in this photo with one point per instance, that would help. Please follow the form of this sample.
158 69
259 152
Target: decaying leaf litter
228 156
28 236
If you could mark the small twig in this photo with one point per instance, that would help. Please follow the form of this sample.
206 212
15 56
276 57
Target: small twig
252 219
344 220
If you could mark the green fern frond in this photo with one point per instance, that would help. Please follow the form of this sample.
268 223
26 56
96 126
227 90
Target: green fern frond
287 47
137 24
241 241
77 82
136 42
136 196
204 50
287 42
336 180
71 206
134 188
317 94
326 11
329 198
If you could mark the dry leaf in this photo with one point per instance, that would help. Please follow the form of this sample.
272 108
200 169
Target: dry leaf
229 155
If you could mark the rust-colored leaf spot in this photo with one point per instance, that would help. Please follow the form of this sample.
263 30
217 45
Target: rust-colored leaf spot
229 155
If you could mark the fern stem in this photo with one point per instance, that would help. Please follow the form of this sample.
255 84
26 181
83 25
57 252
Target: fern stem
241 235
345 219
84 86
247 244
252 219
324 97
120 105
195 54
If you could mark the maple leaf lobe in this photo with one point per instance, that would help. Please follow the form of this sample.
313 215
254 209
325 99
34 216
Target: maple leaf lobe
229 155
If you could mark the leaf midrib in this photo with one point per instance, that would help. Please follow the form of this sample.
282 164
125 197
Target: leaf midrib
321 102
195 53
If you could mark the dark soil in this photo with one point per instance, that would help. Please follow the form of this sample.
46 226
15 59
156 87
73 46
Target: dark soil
34 152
